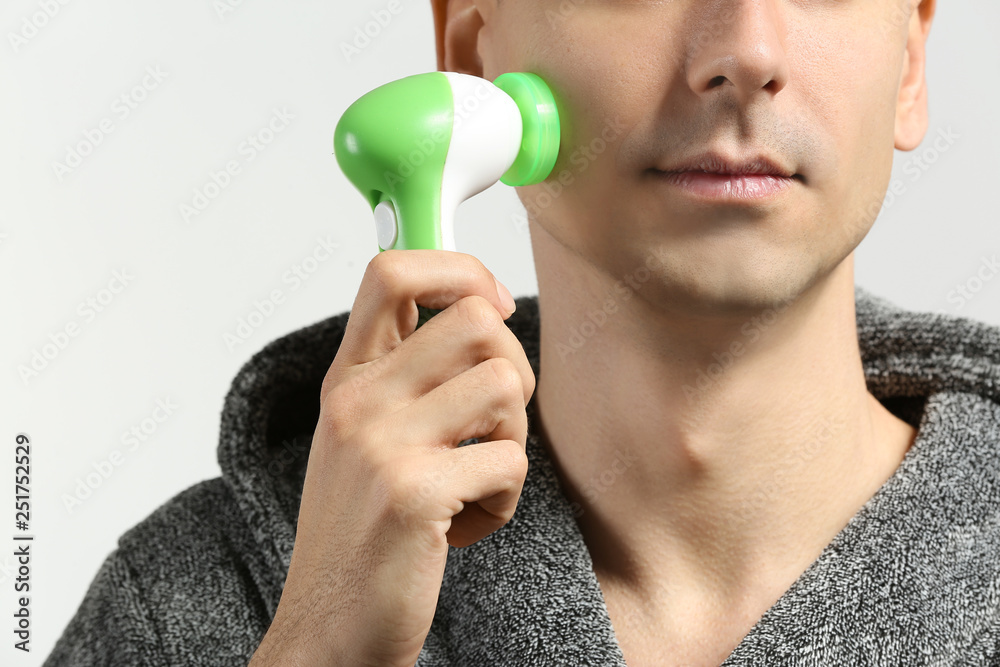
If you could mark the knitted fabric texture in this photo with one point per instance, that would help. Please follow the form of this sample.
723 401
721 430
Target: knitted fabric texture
912 579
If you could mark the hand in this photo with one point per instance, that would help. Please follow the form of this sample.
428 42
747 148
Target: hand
387 489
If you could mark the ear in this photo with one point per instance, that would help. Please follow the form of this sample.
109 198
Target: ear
911 105
457 24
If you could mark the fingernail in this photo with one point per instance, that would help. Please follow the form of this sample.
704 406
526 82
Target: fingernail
505 298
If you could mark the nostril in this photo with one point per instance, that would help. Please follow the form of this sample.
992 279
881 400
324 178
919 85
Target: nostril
716 82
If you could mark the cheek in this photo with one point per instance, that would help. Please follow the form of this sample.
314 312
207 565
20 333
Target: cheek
850 90
599 78
603 85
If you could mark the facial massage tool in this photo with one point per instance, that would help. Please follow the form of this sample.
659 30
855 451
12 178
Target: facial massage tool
416 148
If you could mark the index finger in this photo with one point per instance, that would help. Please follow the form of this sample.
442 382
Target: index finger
395 282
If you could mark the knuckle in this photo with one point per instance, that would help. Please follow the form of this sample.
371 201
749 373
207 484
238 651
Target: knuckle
471 263
517 464
480 313
339 411
528 380
529 386
332 378
404 490
337 424
396 480
505 374
386 269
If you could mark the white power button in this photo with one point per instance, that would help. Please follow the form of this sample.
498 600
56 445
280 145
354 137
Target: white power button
385 225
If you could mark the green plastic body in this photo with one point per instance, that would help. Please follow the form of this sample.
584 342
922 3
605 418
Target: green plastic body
392 145
393 142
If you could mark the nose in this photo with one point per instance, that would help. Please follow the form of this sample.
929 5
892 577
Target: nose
737 49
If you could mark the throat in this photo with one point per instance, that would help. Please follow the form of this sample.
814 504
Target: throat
681 635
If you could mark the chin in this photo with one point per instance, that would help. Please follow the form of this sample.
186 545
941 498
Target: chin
716 281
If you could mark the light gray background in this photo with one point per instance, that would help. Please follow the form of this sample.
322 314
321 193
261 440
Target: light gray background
162 336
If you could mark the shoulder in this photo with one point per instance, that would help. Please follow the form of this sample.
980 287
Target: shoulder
176 591
195 516
188 562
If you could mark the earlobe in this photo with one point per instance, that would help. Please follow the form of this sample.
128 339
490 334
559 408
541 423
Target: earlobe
911 102
457 24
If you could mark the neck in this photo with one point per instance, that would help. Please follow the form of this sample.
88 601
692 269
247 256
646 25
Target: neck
724 448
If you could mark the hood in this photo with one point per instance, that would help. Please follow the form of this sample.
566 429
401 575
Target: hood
273 406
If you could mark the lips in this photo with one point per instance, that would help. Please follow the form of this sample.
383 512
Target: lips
716 178
717 163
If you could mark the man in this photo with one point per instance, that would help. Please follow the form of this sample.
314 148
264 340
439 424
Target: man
730 460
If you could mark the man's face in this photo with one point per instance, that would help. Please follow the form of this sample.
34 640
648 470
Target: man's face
643 84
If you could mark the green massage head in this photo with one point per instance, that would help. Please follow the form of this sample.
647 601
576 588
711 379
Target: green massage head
418 147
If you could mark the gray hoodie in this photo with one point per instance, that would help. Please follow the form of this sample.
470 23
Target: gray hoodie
913 579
